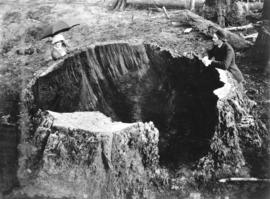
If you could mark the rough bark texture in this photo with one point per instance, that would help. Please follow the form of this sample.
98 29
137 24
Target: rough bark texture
238 140
86 155
129 83
189 105
120 5
261 50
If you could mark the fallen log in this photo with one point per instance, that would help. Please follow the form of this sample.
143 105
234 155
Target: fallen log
183 4
249 26
224 180
207 27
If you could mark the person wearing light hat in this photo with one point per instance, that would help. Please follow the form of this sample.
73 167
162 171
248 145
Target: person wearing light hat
222 56
59 47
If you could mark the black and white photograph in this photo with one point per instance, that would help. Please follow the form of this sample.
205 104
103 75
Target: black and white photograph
134 99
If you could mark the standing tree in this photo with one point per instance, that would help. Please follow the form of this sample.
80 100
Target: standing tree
120 5
192 5
261 50
215 10
266 9
226 12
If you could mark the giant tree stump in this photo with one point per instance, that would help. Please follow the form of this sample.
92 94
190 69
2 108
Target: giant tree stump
86 155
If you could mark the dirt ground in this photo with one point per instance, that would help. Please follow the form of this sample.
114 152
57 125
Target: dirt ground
22 53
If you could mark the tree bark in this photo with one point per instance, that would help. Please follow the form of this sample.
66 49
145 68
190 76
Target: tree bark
120 5
261 50
221 13
266 9
192 5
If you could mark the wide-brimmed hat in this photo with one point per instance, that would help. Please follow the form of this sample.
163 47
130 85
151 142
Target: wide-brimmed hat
58 27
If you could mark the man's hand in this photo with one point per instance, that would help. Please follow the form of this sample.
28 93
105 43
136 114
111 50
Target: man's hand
206 61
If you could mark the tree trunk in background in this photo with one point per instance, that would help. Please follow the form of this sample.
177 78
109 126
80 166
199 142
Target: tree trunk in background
266 10
221 11
261 50
120 5
226 12
216 10
192 5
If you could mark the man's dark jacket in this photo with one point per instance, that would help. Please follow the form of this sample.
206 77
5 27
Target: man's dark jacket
225 59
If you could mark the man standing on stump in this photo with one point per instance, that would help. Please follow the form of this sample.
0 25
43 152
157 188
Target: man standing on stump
222 56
